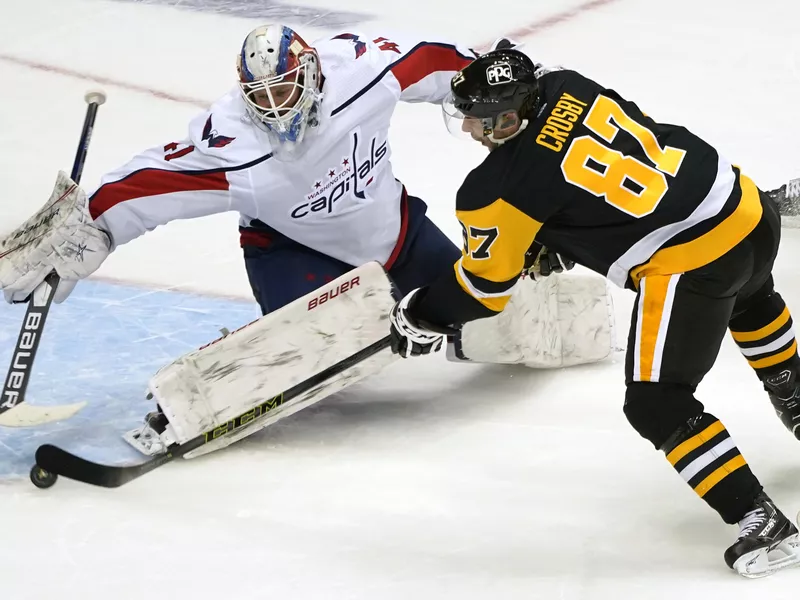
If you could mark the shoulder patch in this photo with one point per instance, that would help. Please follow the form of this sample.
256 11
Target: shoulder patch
211 136
360 46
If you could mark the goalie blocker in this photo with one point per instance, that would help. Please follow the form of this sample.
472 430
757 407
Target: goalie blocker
559 321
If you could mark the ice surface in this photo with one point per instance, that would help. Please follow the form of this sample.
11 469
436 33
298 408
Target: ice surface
125 335
434 480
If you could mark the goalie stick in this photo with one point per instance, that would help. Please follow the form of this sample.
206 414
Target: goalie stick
13 410
52 460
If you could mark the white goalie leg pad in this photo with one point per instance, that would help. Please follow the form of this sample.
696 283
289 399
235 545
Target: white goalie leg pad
354 374
203 391
558 321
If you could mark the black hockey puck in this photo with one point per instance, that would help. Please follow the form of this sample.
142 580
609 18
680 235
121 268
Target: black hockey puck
41 478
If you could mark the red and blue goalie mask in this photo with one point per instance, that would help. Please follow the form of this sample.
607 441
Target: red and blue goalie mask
279 77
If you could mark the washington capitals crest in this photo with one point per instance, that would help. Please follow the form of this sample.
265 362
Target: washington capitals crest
361 47
214 139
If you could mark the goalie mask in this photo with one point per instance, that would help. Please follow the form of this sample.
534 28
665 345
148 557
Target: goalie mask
493 97
279 76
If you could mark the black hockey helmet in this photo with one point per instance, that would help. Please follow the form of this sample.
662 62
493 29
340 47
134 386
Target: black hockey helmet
493 87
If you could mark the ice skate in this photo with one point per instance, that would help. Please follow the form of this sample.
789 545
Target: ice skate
153 437
767 541
784 393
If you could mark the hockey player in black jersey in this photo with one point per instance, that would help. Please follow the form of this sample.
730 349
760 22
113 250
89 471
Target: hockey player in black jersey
578 169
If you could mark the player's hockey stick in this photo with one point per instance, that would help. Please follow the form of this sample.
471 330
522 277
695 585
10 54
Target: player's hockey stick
52 460
13 410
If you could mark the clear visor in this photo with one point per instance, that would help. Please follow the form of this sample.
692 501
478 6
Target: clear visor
465 127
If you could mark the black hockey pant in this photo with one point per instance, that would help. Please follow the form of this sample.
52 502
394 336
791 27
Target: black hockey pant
678 324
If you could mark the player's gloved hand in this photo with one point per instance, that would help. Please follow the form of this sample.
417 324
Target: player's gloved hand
61 237
409 337
542 262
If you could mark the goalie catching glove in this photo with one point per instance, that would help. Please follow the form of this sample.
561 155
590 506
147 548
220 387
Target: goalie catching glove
61 237
410 337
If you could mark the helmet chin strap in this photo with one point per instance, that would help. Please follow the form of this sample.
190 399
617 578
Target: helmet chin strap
502 141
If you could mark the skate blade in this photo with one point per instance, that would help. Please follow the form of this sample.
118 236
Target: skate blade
765 561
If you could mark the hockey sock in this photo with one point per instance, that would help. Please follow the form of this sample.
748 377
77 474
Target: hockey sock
765 335
706 457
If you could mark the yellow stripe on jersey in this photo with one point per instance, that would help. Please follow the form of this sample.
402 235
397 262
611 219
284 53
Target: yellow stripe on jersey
497 237
710 246
495 303
760 334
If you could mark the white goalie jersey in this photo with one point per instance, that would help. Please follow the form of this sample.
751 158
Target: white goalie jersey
338 197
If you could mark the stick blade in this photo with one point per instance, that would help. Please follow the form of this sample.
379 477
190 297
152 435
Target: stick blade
60 462
28 415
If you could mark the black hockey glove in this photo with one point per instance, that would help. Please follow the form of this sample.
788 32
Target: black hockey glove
409 337
541 262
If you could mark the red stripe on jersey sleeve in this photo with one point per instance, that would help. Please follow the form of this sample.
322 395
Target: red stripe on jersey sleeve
426 60
153 182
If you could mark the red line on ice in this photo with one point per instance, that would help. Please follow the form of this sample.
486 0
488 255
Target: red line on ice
558 18
31 64
527 30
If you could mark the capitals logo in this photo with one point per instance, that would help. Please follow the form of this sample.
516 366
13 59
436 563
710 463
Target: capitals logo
215 140
354 177
361 47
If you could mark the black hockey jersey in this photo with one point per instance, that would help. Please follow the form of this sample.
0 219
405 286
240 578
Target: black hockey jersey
596 179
